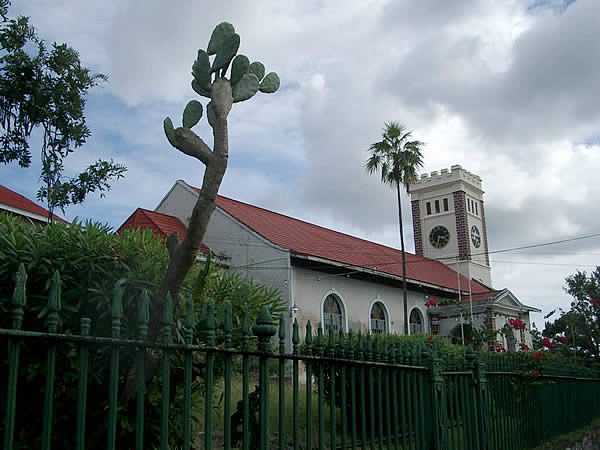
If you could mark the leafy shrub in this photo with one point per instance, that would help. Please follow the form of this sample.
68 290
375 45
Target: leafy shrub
91 260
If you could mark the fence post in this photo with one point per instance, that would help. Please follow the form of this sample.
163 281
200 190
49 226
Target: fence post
54 306
140 375
264 330
472 405
113 382
438 400
14 346
481 399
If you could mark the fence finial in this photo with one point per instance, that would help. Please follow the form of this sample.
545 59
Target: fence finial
117 302
308 337
245 328
264 329
295 337
19 297
210 323
282 333
189 321
55 293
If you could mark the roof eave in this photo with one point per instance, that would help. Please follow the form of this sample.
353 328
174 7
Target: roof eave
370 271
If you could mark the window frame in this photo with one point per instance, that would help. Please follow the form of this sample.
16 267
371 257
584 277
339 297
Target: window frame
423 324
344 309
386 314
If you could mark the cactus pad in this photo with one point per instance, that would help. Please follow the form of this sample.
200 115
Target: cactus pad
169 131
270 83
239 67
219 36
201 69
258 69
245 88
203 91
226 53
192 114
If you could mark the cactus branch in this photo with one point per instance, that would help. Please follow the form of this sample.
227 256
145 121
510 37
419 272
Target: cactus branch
191 144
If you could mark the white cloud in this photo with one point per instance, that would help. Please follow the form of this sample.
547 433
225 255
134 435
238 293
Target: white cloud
507 91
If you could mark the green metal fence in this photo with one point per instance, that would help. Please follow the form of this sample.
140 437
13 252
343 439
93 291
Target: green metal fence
339 391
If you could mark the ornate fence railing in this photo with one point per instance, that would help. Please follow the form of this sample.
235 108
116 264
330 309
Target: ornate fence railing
345 390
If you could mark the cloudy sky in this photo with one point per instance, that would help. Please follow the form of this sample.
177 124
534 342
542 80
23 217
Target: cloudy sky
508 89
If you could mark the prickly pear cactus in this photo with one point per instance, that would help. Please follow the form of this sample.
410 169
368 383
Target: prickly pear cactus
245 88
220 34
192 114
244 81
258 69
239 67
270 84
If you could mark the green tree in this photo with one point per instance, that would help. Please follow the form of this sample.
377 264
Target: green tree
577 332
397 157
44 87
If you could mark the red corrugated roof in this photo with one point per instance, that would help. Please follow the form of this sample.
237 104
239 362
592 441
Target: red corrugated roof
14 200
162 224
303 238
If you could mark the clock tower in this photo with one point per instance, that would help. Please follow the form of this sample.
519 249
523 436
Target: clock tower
449 221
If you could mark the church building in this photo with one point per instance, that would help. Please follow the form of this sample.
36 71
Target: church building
344 282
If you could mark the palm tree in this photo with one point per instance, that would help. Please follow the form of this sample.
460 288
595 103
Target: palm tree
397 157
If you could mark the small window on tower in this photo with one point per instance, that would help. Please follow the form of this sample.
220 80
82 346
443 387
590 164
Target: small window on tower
469 204
476 209
445 204
437 206
428 208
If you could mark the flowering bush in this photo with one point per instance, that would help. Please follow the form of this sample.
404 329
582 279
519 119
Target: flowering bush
524 347
500 348
563 339
517 323
537 356
431 302
594 302
535 373
547 343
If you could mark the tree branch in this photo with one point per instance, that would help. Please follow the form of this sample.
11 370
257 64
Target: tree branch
172 243
191 144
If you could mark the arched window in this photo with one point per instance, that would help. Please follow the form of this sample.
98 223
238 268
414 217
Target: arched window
416 322
379 322
333 314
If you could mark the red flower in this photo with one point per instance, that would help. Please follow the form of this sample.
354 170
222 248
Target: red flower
547 343
431 302
500 348
524 346
535 372
562 339
517 323
594 302
537 356
430 337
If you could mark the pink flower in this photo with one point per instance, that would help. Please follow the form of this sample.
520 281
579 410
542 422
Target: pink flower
500 348
535 373
594 302
537 356
524 346
431 302
430 337
517 323
547 343
562 339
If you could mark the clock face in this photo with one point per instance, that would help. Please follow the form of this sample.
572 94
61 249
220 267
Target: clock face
475 236
439 236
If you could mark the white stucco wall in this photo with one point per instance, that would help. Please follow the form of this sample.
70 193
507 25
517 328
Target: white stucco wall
311 287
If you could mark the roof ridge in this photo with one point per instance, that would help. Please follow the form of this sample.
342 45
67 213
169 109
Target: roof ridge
320 226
